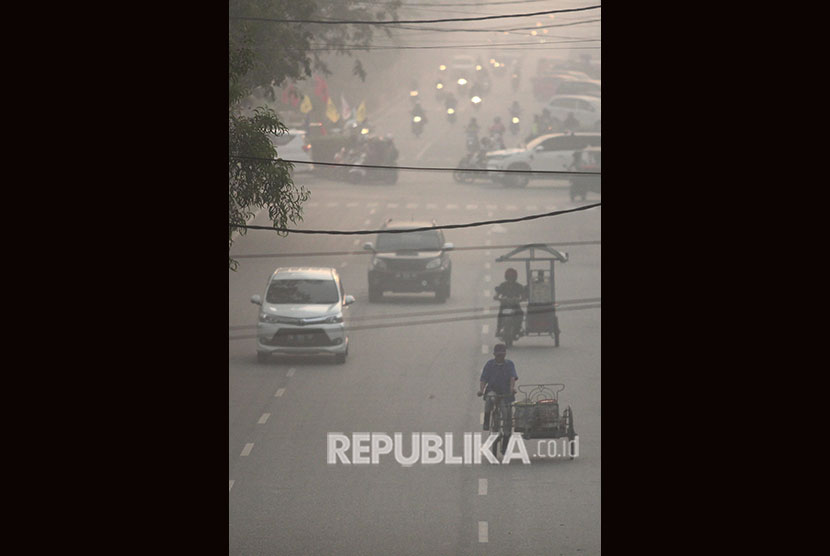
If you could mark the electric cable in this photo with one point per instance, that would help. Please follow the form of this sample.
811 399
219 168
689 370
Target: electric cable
410 21
419 229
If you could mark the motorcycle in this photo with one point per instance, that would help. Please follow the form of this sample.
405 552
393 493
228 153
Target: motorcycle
439 90
476 102
417 125
514 125
474 161
512 317
472 142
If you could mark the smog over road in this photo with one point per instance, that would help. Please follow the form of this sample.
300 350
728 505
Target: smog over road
414 359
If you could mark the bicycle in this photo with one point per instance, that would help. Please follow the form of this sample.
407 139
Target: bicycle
500 423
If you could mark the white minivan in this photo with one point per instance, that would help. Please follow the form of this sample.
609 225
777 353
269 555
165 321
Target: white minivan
302 313
550 152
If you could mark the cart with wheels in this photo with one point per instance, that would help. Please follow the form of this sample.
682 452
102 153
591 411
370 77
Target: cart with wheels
538 414
540 317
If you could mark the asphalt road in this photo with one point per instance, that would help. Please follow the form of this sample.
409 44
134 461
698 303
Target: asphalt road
284 498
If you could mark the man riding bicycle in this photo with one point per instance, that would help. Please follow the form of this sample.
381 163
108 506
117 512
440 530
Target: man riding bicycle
499 376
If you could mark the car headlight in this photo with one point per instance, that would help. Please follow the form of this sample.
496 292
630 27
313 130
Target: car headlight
270 319
379 264
434 263
334 319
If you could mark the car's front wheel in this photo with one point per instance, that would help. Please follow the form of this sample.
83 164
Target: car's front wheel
375 294
518 180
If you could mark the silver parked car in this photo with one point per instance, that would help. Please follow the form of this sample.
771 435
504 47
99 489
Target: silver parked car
302 313
586 109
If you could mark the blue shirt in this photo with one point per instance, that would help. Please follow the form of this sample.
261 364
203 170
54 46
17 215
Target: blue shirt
498 377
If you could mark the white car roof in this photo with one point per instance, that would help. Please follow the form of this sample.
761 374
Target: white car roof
294 273
586 98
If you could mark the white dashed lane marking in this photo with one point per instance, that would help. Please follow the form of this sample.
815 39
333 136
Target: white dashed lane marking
264 418
482 487
291 372
279 393
247 449
482 531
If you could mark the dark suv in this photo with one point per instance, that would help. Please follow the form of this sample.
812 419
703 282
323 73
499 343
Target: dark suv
409 261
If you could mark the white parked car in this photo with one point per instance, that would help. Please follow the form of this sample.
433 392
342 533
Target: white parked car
587 110
302 313
590 87
551 152
294 145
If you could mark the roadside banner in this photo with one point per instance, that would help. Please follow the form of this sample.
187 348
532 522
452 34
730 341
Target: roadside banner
305 106
361 112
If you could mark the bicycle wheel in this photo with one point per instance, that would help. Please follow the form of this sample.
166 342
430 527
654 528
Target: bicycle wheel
496 427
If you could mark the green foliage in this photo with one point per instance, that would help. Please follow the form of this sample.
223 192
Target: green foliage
266 54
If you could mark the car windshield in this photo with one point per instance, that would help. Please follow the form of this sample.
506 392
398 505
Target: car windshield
302 291
427 240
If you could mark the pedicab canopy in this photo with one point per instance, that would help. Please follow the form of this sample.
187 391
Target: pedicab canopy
533 248
540 281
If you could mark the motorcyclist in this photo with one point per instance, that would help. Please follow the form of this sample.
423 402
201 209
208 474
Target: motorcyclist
515 110
571 123
417 110
472 136
509 294
497 128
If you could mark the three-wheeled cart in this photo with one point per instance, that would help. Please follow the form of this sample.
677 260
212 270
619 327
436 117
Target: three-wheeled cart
538 415
540 317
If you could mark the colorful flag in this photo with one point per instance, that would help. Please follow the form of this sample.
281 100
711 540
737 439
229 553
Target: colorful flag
331 112
321 89
345 110
305 107
290 96
360 115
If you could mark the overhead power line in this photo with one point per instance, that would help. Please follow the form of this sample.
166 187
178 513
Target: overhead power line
424 168
468 5
410 21
491 311
364 252
421 229
460 30
433 321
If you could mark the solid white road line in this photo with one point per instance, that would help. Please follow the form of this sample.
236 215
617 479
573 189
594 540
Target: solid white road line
263 419
482 531
247 449
279 393
482 487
